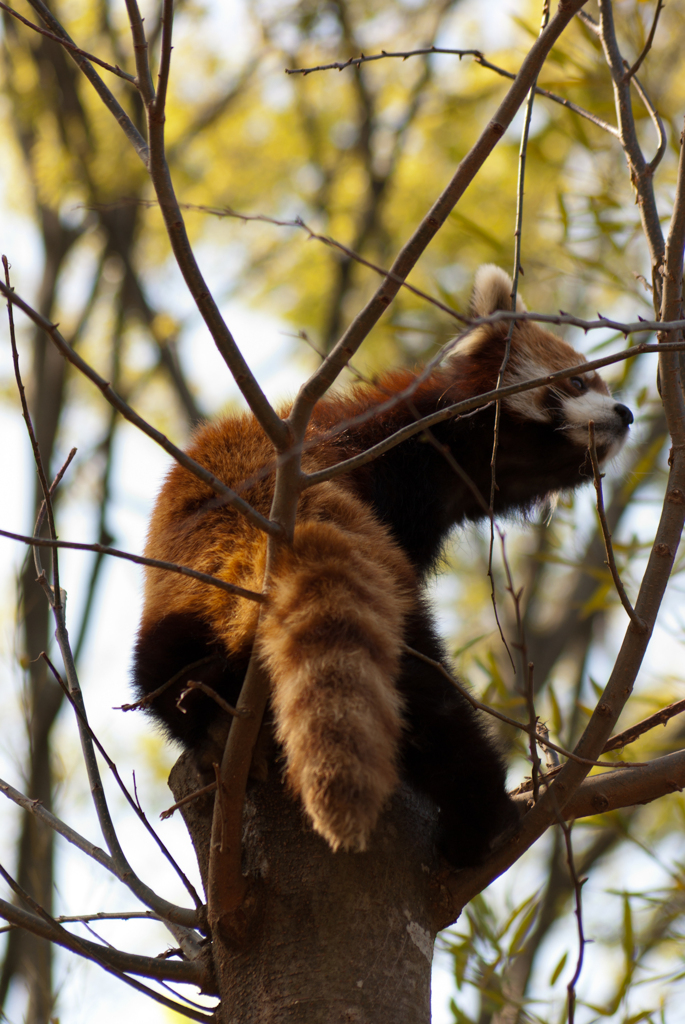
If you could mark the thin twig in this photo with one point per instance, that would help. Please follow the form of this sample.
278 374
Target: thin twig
478 57
410 253
606 533
41 511
84 728
155 563
194 684
298 222
577 887
648 44
68 45
588 21
616 742
464 408
526 687
125 915
551 756
36 808
523 726
622 739
211 788
113 961
150 697
658 124
56 598
230 497
518 237
365 59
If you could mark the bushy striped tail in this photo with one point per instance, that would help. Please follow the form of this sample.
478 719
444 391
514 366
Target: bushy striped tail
331 638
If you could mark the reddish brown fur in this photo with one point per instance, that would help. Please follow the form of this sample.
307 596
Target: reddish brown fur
348 705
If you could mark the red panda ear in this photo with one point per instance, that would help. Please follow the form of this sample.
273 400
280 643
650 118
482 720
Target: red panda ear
492 291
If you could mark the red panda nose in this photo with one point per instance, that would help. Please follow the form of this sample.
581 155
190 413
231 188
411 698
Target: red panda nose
624 413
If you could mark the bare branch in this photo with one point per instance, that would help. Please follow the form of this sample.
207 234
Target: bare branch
68 45
460 409
88 738
408 256
274 427
611 561
113 960
155 563
672 299
648 43
577 888
640 173
143 76
479 58
365 59
658 124
115 108
165 57
36 808
531 730
526 687
230 497
227 887
204 791
622 739
194 684
56 597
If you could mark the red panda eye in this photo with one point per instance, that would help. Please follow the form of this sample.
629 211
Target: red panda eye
578 383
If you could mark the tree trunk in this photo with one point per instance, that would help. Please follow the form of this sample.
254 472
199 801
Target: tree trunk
328 937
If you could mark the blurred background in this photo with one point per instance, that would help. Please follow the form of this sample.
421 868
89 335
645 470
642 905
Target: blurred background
360 155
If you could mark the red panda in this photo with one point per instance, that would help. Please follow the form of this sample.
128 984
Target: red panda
353 710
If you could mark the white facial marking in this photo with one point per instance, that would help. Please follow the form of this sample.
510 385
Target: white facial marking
599 408
528 403
590 406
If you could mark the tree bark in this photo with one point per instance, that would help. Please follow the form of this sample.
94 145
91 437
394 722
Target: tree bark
324 937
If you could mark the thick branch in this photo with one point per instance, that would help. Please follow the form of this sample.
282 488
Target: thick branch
611 790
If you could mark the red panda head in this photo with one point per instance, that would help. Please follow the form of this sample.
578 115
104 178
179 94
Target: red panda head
567 405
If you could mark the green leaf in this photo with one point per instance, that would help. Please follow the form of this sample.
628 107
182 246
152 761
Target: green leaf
554 977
